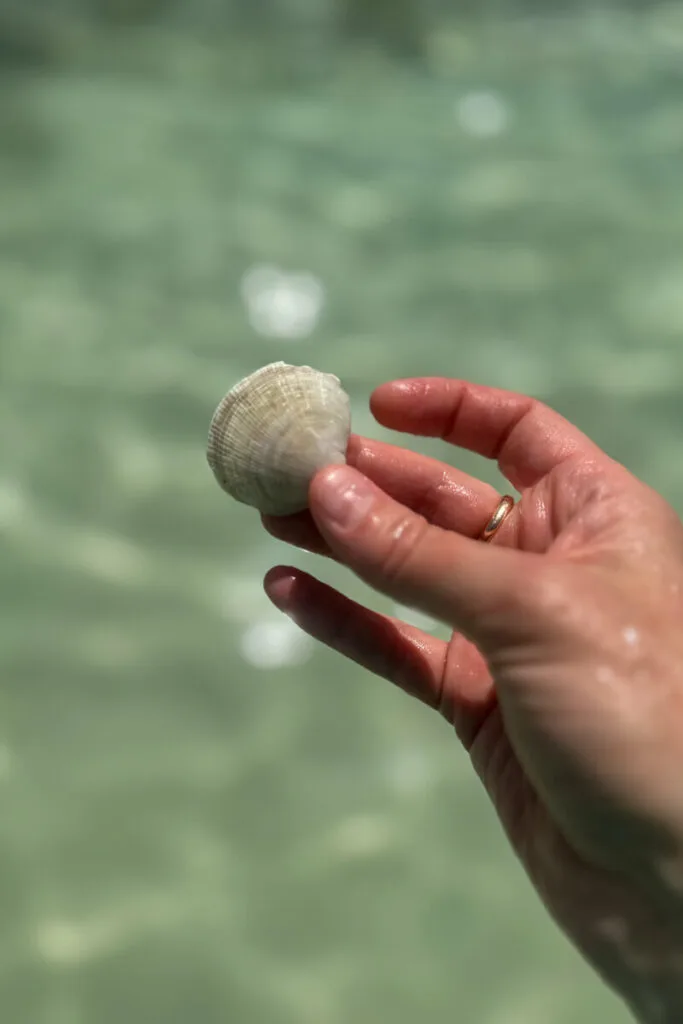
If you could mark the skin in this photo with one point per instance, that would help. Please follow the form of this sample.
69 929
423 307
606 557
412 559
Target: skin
563 678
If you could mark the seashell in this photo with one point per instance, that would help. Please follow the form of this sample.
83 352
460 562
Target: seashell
273 431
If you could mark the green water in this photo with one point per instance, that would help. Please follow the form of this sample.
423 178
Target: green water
188 835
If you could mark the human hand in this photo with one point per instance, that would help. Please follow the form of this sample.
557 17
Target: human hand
564 676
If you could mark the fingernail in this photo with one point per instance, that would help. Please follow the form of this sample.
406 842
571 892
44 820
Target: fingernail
345 496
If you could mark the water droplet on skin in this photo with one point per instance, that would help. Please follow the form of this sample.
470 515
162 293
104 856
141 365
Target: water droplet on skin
399 530
606 676
631 635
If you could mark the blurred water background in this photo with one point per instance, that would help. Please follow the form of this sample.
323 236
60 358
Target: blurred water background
204 817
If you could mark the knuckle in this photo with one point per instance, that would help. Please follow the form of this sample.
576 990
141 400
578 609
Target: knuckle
404 544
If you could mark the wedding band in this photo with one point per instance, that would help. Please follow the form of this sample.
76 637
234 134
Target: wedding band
505 506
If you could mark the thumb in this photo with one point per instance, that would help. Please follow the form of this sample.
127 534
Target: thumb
462 582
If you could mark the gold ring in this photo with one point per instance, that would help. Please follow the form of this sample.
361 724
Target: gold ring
505 506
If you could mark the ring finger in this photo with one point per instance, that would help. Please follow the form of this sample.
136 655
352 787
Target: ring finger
444 496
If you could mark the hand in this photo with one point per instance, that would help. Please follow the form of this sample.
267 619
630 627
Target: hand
564 675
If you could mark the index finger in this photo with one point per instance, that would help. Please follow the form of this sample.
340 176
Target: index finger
526 437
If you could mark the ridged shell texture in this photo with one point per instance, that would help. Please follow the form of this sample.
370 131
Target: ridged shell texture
273 431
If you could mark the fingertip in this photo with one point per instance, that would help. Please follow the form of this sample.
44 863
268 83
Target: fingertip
341 498
278 584
322 477
399 386
354 448
330 480
269 523
404 387
398 404
298 530
321 481
287 528
279 572
281 524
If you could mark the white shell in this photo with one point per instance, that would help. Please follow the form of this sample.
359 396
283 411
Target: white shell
273 431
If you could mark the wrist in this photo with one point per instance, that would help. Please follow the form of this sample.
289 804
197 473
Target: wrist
653 986
655 992
657 1007
640 952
